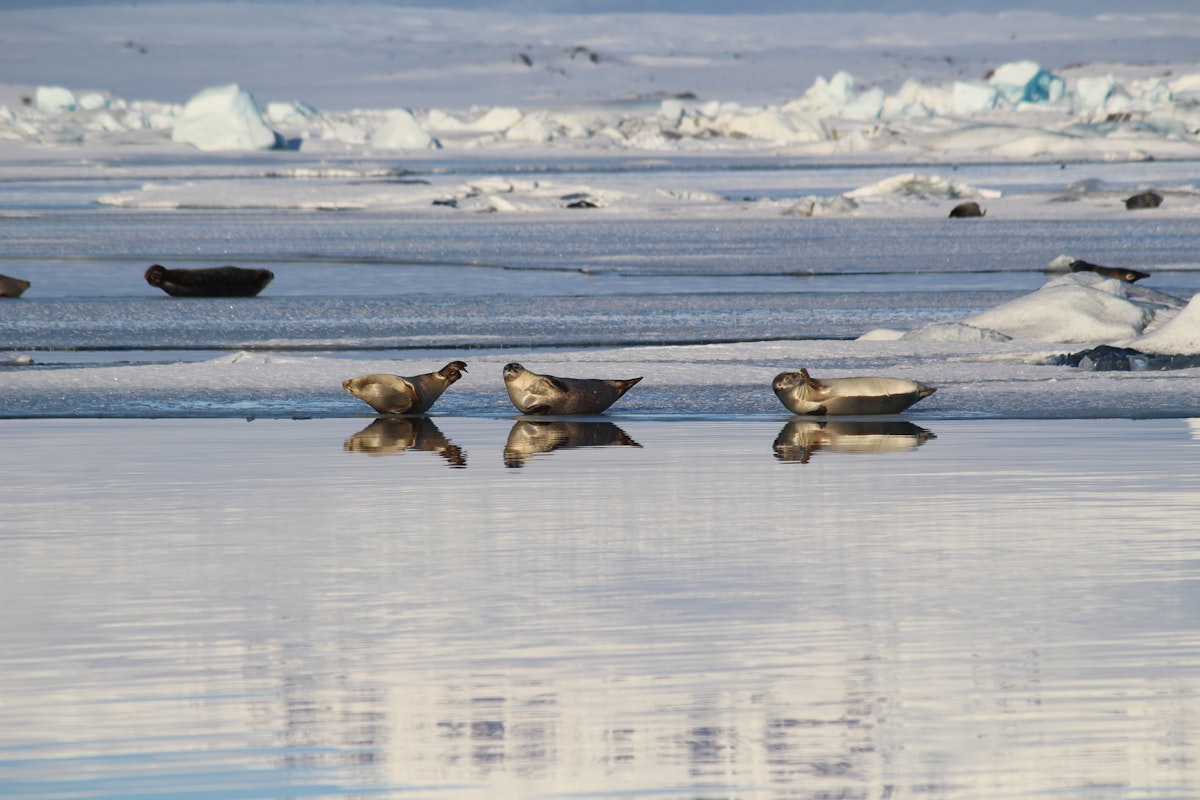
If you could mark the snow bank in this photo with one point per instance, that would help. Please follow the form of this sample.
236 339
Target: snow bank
225 118
1179 336
1080 307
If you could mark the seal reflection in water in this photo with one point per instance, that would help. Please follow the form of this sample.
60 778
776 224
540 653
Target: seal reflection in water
530 437
803 394
395 394
12 287
545 394
210 282
800 438
388 436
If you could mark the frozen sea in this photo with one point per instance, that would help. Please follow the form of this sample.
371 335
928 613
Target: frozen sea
224 577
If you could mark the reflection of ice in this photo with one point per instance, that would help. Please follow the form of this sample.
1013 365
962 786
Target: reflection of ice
1194 427
530 437
390 435
800 438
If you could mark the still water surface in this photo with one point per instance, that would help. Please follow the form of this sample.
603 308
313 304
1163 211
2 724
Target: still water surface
472 608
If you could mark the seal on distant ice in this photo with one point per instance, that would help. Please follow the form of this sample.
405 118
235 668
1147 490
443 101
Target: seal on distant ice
12 287
532 393
395 394
210 282
1119 273
802 394
1143 200
968 209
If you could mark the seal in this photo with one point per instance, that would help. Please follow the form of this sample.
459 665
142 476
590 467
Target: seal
969 209
210 282
12 287
1143 200
801 438
800 393
545 394
388 436
395 394
529 437
1119 273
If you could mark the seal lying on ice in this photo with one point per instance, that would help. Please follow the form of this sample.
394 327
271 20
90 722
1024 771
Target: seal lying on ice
210 282
1118 273
12 287
802 394
545 394
969 209
395 394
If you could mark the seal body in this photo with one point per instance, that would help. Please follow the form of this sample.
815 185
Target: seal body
210 282
1119 273
968 209
1143 200
800 393
396 394
532 393
12 287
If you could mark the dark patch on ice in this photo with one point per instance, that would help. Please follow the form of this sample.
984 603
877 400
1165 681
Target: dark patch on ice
1106 358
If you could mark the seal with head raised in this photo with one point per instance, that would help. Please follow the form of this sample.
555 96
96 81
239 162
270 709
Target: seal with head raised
1117 273
395 394
210 282
532 393
803 394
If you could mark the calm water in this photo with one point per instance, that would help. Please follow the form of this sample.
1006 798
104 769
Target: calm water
481 608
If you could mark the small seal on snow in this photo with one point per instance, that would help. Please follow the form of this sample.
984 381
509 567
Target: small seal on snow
970 209
1119 273
1143 200
12 287
802 394
210 282
394 394
545 394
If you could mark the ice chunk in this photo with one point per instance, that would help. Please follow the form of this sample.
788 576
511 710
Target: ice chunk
224 118
93 101
401 131
51 99
929 186
1027 82
972 97
954 332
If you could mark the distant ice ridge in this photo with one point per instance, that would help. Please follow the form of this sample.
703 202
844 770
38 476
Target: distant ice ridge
1020 110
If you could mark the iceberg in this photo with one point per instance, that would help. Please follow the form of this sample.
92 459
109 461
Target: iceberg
1026 82
401 131
225 118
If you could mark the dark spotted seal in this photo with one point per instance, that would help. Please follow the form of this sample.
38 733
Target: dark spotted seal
1143 200
970 209
395 394
12 287
802 394
1119 273
210 282
545 394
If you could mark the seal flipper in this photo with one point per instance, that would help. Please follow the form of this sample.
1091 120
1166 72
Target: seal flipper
540 408
557 384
